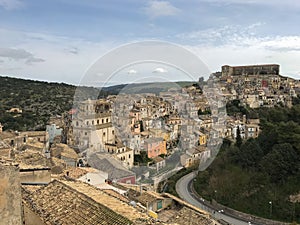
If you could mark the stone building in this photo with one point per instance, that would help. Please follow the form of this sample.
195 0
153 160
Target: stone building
34 167
160 163
92 125
10 195
64 152
195 155
93 131
109 164
5 150
123 153
267 69
155 147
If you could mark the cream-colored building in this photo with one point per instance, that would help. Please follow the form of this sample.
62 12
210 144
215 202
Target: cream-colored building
93 131
123 153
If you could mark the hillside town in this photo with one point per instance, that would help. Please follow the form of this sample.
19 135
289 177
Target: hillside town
104 159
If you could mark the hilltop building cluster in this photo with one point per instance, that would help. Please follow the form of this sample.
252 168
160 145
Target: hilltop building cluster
127 132
257 85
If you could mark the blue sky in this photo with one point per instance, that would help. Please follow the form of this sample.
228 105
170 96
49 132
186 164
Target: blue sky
58 40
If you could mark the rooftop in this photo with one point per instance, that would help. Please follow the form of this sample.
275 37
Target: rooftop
109 164
158 159
148 197
187 216
32 159
74 202
101 197
67 151
153 140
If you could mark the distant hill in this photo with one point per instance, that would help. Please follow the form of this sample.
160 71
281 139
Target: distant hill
154 87
37 100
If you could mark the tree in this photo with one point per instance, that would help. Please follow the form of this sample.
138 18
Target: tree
141 126
281 162
239 140
250 154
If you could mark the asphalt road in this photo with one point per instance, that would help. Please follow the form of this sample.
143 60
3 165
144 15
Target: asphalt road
184 193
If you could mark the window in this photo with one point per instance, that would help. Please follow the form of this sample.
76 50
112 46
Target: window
92 122
129 156
97 121
102 120
87 122
103 134
113 132
107 120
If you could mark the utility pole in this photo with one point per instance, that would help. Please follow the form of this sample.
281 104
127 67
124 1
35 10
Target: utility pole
271 208
216 196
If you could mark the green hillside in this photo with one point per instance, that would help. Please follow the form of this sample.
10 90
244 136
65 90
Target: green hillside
37 100
259 171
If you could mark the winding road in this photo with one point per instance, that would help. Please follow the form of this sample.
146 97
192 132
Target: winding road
183 190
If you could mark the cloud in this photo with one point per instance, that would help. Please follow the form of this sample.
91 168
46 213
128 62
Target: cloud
72 50
34 60
223 35
276 3
160 70
11 4
156 9
238 36
132 71
279 43
22 51
19 54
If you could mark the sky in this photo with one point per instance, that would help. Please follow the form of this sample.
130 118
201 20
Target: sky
60 40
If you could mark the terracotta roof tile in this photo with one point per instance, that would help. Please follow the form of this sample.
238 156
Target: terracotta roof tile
64 203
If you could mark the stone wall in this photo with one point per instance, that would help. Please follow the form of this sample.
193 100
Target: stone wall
10 196
250 70
35 176
30 218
